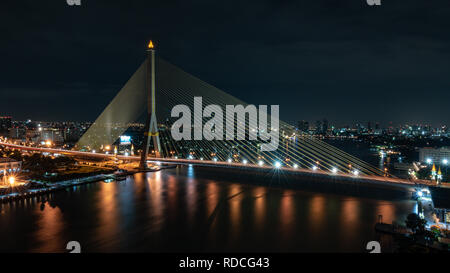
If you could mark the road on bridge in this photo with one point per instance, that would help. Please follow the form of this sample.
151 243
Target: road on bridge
217 164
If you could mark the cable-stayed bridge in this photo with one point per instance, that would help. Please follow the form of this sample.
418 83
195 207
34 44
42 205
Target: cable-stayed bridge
158 86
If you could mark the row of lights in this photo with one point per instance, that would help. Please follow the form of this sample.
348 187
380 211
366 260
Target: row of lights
278 165
444 161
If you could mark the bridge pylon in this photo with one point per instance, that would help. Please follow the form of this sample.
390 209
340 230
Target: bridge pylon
151 124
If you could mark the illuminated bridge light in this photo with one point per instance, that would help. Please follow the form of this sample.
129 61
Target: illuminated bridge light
215 159
260 163
201 158
334 170
245 161
314 168
429 160
295 166
229 160
277 165
355 172
445 161
12 180
190 157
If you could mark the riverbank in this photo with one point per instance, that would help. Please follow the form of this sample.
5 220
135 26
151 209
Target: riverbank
32 189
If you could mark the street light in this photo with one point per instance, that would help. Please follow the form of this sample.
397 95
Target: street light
445 161
429 160
12 181
277 165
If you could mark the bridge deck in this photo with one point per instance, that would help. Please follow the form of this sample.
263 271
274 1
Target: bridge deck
381 179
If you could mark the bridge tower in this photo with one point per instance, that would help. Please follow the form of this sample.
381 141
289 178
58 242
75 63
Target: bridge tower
151 125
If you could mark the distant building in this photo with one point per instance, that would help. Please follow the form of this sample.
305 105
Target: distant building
318 127
17 133
53 135
324 126
432 155
303 126
5 124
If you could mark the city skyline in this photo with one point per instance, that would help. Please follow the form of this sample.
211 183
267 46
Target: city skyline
382 70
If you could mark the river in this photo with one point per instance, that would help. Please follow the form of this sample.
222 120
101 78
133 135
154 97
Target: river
186 209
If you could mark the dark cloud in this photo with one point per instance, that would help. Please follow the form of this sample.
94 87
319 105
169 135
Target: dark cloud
339 59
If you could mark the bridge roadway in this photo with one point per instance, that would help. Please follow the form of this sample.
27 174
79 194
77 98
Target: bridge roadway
209 163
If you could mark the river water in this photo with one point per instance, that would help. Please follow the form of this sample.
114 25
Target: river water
187 209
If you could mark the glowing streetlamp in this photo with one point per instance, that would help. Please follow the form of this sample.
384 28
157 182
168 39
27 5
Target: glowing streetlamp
277 165
445 161
12 181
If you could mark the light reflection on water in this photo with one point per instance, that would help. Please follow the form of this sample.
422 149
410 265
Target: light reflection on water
185 209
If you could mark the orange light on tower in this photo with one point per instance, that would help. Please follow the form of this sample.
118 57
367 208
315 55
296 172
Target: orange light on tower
150 45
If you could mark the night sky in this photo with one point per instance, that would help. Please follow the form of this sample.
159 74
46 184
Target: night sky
337 59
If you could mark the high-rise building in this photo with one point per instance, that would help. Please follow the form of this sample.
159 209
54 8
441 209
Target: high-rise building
324 126
318 127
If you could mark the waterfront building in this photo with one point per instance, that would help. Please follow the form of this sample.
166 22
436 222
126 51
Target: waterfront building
8 165
432 155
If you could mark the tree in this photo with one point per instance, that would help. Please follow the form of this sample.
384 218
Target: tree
416 224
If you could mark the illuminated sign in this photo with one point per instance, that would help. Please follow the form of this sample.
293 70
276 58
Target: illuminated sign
125 140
